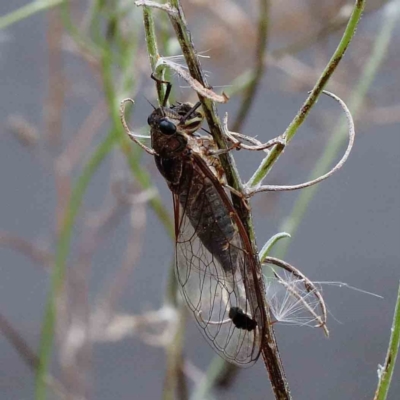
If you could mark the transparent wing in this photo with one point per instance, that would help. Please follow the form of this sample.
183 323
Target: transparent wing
211 265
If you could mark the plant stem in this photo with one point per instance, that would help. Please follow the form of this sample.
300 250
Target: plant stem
292 222
152 48
59 269
291 130
385 372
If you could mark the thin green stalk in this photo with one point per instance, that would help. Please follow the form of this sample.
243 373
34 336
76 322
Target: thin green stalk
59 269
27 11
385 371
261 50
382 41
152 48
274 154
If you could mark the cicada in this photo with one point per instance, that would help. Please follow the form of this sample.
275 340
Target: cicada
215 266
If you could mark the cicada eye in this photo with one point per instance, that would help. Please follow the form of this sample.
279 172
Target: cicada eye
167 127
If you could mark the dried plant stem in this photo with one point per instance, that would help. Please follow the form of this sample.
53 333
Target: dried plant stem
259 69
54 103
36 254
385 371
28 355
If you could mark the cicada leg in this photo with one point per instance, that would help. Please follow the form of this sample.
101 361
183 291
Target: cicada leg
209 322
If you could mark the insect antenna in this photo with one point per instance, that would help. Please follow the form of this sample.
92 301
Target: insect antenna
206 131
189 113
152 105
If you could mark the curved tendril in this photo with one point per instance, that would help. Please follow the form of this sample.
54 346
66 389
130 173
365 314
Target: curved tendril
309 285
133 136
351 133
209 322
257 145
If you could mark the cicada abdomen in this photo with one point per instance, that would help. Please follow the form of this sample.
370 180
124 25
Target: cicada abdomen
214 265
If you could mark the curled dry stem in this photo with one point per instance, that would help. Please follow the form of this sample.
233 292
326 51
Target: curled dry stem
309 286
133 136
257 145
351 132
193 83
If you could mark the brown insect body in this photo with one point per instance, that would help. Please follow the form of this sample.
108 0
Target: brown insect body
213 267
194 190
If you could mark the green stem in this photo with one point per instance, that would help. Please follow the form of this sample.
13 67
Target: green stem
276 151
386 371
138 172
152 48
27 11
71 212
292 222
59 269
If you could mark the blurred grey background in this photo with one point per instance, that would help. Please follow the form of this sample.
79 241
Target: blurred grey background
350 233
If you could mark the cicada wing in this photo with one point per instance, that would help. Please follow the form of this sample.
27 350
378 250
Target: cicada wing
210 264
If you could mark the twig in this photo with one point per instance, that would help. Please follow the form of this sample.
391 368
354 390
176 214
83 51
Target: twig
28 355
54 103
22 245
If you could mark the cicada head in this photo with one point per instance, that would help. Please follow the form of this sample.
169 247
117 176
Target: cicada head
170 127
